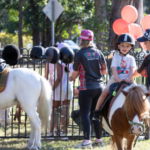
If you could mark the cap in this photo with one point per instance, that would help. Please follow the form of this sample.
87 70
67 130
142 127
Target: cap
145 37
87 35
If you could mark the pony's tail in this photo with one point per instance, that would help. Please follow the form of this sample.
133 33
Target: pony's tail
44 102
112 143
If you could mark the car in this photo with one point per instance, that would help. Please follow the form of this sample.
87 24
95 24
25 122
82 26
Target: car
72 45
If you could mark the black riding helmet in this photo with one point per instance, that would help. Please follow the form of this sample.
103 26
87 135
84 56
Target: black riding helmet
11 54
126 38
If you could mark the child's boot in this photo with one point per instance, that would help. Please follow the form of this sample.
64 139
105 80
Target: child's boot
96 115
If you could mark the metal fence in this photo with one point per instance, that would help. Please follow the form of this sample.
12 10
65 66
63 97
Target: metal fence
14 129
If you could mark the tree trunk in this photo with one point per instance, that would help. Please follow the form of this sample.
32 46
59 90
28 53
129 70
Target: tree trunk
116 8
48 33
100 13
35 29
43 34
20 25
36 36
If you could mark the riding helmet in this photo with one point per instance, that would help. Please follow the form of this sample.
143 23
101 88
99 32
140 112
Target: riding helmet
126 38
10 54
37 52
52 54
66 55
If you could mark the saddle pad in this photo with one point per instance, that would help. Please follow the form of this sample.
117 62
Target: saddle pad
112 100
3 79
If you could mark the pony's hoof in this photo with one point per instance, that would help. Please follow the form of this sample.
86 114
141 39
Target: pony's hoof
34 148
28 147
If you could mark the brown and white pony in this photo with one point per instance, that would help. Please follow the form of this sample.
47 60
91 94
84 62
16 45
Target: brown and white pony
132 99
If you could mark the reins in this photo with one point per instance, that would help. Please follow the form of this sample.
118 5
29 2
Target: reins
139 135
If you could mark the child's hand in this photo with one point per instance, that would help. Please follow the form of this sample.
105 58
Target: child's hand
127 80
119 80
71 79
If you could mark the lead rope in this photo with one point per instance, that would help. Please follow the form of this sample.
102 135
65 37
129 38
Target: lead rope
139 135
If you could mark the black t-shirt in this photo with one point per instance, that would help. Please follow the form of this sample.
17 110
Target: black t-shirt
89 62
144 70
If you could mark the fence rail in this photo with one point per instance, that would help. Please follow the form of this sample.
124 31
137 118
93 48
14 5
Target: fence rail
13 129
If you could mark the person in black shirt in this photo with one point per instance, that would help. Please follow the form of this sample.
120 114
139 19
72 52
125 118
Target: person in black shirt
144 69
89 64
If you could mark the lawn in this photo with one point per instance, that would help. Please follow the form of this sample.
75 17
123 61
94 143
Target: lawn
19 144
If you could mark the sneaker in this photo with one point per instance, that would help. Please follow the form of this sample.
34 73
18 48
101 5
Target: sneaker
98 143
51 136
63 138
83 144
55 133
95 115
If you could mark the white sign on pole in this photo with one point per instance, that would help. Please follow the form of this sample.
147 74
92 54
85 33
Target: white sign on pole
58 9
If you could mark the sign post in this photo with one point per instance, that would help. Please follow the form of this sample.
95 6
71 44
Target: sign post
53 9
52 22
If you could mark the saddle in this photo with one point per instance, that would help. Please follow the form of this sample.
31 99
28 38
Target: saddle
3 67
106 106
4 72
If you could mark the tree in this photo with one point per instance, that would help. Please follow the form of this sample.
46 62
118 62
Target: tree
116 8
34 22
101 15
147 6
20 25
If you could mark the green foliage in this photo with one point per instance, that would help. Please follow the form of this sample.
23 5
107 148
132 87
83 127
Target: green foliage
76 13
97 25
6 38
9 15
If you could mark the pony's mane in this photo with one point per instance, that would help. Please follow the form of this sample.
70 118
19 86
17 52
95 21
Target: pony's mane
135 101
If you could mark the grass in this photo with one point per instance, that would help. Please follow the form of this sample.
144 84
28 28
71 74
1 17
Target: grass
20 144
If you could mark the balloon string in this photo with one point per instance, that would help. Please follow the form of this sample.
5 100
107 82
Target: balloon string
134 31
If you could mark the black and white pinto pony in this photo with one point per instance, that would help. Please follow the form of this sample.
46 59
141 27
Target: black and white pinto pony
29 89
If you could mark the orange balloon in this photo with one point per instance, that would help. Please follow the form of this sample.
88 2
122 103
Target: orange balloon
129 13
143 45
135 30
120 26
146 22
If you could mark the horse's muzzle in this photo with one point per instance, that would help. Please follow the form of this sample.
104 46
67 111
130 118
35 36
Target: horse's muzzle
136 130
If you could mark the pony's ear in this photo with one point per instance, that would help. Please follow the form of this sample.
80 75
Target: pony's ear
124 93
147 94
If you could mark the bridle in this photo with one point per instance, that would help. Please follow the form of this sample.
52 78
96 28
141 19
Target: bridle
137 124
134 123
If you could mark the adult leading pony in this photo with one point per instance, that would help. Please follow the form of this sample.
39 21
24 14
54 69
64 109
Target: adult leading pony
29 89
130 105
